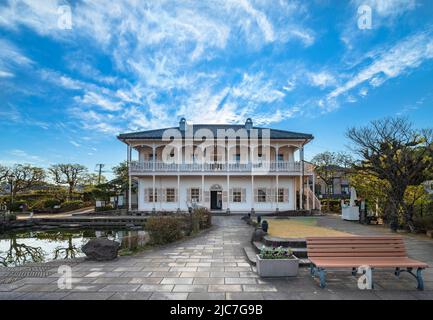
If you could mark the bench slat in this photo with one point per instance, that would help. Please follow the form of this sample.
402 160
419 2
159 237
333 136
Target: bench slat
354 262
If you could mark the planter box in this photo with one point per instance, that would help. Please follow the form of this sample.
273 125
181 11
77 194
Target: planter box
277 267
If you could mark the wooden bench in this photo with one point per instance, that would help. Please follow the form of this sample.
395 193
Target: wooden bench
356 251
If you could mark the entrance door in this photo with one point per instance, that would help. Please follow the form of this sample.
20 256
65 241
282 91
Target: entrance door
216 202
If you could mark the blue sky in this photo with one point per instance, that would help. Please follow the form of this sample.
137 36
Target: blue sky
135 65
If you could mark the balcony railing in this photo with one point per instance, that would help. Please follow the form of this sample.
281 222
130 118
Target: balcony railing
271 166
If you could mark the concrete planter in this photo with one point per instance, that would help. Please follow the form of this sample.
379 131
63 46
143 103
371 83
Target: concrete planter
277 267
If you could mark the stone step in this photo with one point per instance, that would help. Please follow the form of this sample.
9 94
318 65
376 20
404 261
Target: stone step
251 255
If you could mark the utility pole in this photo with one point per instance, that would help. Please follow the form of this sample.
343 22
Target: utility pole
100 166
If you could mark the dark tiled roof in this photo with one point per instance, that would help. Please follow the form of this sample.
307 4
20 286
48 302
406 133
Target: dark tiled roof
157 134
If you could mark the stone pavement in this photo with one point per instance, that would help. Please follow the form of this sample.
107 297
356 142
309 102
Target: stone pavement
213 266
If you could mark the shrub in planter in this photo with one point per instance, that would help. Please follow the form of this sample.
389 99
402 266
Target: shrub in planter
104 208
277 262
71 205
163 229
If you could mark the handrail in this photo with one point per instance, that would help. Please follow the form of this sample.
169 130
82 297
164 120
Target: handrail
233 166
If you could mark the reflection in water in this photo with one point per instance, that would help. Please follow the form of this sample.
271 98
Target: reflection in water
40 246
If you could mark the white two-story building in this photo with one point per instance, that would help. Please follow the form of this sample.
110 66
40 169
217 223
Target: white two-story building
224 167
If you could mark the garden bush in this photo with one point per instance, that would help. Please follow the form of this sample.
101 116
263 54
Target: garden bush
71 205
164 229
16 206
45 204
424 223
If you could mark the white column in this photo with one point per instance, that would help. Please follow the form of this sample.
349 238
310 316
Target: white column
228 192
277 148
153 191
278 193
252 191
129 177
314 190
178 191
154 157
300 193
202 190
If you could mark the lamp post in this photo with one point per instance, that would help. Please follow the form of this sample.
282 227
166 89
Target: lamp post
11 181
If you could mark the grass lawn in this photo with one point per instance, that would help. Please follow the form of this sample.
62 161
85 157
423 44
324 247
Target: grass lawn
300 228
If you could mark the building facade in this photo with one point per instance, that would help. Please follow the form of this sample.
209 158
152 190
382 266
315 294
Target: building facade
225 168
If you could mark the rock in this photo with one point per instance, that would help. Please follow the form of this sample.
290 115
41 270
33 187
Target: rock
258 235
101 249
429 233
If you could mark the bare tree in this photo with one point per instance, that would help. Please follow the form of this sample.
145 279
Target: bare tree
68 174
328 165
25 177
4 173
393 151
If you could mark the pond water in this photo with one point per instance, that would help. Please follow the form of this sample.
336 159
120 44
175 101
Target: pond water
19 248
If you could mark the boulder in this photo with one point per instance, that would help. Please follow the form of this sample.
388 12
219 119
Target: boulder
101 249
429 233
258 235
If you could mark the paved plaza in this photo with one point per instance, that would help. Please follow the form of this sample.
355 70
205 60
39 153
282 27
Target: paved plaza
211 266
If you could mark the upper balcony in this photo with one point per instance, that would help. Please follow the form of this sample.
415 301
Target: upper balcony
283 167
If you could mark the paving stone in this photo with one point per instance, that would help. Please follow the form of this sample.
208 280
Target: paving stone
156 287
177 281
11 295
88 296
43 296
206 296
37 288
165 274
225 288
190 288
120 280
136 274
258 288
120 287
131 296
208 281
169 296
244 296
194 274
240 281
146 280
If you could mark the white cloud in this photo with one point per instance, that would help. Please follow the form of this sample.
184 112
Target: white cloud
322 79
6 74
391 62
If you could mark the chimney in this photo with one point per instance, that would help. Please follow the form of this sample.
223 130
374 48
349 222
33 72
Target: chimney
182 124
249 124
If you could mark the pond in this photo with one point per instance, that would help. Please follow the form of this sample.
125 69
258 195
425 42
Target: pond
19 248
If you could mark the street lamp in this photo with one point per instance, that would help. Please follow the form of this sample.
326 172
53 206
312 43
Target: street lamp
11 181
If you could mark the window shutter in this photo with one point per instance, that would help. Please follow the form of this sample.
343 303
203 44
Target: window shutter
231 195
146 195
207 196
243 195
286 195
224 196
176 195
275 195
188 194
163 195
200 197
268 195
256 197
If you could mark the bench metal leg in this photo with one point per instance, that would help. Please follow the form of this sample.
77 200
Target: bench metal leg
354 272
322 275
312 270
417 276
419 279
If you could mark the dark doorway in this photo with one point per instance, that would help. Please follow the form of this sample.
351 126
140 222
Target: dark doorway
216 202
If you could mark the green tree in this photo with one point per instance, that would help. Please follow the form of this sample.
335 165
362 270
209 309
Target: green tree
392 150
68 174
328 165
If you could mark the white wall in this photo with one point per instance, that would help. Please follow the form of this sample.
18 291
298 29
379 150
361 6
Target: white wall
235 182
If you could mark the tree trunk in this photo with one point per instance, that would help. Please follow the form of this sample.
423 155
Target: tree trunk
397 200
70 192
